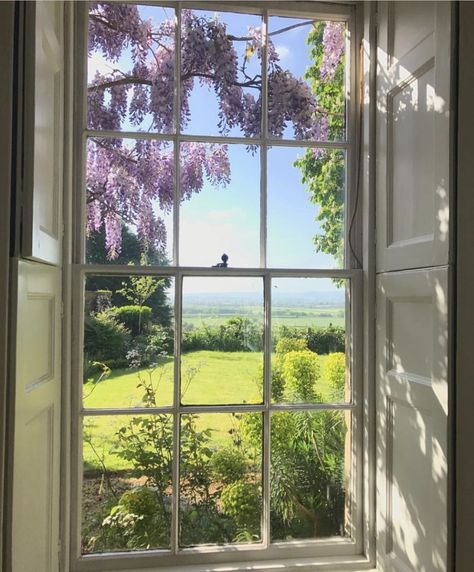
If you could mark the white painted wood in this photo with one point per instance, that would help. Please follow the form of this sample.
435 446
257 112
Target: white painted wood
413 148
413 88
412 391
42 196
36 462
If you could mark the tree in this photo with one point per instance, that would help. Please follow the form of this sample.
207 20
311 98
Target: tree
131 253
125 179
322 170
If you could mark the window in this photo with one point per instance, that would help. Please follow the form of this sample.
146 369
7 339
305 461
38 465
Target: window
218 402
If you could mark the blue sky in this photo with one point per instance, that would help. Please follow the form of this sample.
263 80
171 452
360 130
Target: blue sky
228 220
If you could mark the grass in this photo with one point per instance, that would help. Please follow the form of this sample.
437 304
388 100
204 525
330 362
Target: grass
207 377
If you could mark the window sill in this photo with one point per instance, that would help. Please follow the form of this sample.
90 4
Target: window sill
330 563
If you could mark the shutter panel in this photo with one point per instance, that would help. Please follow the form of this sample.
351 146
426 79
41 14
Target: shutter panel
36 457
34 544
412 195
42 192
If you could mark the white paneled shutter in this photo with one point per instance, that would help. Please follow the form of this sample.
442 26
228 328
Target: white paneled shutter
413 267
36 450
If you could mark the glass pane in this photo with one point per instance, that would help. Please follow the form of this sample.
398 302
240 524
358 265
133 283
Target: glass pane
306 79
129 201
306 208
222 341
309 362
127 485
221 77
220 478
128 341
131 67
310 466
220 208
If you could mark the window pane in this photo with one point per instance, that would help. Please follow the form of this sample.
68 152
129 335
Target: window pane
129 201
220 478
131 67
128 341
222 341
306 208
309 362
309 469
127 486
306 69
220 73
220 205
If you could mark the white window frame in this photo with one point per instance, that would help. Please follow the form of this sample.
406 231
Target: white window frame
346 552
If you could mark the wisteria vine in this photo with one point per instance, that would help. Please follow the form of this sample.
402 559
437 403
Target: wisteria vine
127 178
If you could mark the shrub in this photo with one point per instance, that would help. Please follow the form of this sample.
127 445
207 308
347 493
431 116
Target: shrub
241 501
285 345
300 371
137 319
138 520
319 340
234 335
229 465
327 340
105 339
148 349
335 370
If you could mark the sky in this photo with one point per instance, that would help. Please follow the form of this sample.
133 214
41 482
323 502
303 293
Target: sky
219 220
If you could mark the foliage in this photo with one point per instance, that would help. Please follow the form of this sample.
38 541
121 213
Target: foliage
126 179
105 339
131 254
137 521
228 464
236 334
285 345
149 349
141 517
335 370
319 340
307 490
135 318
300 371
139 288
241 500
322 170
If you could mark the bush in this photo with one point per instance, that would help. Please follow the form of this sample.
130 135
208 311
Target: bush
241 501
319 340
327 340
105 339
285 345
300 372
146 350
229 465
335 370
137 521
234 335
137 319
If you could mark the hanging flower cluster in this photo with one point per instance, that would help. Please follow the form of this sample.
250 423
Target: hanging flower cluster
126 179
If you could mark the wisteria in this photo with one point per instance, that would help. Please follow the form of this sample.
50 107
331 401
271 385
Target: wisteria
333 40
132 181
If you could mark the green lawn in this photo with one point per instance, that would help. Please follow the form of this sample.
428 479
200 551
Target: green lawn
210 378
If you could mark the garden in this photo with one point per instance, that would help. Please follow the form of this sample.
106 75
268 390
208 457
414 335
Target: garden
128 459
128 501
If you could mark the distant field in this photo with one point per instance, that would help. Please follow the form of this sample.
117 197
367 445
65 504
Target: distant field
302 317
214 377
